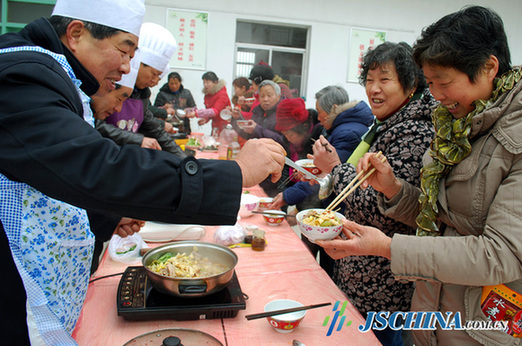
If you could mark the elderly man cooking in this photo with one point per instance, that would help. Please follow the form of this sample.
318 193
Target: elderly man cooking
51 153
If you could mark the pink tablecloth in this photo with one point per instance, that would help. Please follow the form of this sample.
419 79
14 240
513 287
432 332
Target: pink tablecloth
285 270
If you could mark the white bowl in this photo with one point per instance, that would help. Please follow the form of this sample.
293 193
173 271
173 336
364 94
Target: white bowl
314 233
285 323
249 203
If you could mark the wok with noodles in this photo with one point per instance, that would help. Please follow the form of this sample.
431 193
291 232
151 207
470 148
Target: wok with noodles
181 265
189 268
326 218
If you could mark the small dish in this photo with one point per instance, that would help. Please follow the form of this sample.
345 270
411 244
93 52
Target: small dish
264 203
284 323
225 114
308 165
273 217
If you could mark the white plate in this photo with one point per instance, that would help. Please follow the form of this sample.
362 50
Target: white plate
164 232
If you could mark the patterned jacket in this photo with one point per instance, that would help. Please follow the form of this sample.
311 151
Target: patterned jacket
403 139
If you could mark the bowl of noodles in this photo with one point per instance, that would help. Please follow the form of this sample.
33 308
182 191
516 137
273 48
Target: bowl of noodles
189 268
318 224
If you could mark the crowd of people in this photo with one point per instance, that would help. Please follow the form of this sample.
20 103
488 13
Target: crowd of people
433 229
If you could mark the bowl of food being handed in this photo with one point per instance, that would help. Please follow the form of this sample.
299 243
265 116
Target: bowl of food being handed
320 224
308 165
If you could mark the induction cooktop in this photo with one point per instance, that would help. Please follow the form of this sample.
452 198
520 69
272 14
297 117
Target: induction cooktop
137 299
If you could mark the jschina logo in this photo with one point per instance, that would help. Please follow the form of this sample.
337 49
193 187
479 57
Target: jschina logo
338 314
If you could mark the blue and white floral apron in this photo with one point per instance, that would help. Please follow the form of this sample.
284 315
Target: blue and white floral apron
51 244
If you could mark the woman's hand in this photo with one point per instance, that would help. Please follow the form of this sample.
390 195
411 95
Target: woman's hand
383 179
278 202
236 112
325 156
250 127
362 241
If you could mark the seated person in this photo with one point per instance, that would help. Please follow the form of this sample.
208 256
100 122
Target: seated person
243 96
134 123
263 121
172 96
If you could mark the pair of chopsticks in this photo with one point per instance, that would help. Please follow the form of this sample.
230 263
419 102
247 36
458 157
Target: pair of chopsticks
349 189
325 145
287 180
284 311
265 213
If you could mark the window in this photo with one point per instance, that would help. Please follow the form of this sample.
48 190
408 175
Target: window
15 14
282 47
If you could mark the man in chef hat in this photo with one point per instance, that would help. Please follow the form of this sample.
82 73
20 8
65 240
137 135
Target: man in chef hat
85 47
134 123
59 178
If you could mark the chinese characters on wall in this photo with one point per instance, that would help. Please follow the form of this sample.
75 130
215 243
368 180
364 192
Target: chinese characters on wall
190 31
360 41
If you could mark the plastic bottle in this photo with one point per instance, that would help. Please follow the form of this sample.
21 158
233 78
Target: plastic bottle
226 137
233 149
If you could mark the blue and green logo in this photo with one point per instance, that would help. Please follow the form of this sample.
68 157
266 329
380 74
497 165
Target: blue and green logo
338 315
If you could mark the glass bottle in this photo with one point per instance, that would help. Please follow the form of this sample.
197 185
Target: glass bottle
258 240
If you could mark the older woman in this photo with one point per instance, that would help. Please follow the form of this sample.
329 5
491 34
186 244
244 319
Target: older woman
401 103
263 121
466 257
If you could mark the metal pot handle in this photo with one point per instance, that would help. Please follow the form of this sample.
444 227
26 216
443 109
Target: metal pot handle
197 287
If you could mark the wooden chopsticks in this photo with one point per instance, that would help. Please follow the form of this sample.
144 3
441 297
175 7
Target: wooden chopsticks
347 191
284 311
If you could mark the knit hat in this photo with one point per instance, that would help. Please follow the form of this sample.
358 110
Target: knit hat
290 113
260 73
157 46
125 15
129 79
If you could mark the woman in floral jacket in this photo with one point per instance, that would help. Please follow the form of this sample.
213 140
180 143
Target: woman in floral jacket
399 99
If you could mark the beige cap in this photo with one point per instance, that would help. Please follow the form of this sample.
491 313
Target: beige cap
124 15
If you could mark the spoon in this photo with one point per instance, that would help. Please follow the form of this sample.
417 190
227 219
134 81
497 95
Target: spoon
325 184
274 213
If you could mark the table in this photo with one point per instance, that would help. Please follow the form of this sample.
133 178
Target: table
284 270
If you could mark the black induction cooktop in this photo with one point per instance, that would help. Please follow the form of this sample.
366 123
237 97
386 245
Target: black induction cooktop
137 299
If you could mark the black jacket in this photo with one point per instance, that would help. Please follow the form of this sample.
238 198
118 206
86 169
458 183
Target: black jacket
45 143
150 127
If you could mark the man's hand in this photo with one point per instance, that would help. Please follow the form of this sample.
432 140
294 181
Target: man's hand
150 143
128 226
169 128
259 158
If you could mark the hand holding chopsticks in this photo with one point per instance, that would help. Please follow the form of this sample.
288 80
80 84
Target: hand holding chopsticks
349 189
284 311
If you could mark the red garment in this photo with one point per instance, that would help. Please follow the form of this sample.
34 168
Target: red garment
218 101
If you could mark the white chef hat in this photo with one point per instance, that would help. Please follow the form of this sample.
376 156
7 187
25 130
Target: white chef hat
125 15
129 79
157 46
165 72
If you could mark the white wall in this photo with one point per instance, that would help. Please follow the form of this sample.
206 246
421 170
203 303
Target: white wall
330 22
